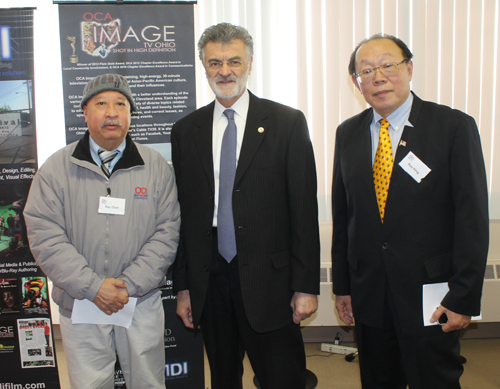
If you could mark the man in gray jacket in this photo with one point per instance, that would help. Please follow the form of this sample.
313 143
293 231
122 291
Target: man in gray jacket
103 224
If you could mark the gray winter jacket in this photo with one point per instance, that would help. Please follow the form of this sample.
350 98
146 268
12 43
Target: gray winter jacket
77 247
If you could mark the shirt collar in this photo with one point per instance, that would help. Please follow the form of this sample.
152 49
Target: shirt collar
399 118
94 149
240 107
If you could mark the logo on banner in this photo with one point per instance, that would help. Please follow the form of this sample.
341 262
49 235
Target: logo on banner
176 369
6 331
101 35
6 349
99 38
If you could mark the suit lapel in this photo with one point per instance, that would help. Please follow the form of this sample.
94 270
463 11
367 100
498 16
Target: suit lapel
365 159
203 140
257 117
406 137
365 162
400 197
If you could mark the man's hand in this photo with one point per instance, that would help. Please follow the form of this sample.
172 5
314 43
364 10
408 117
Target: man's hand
111 296
344 308
455 321
303 306
184 308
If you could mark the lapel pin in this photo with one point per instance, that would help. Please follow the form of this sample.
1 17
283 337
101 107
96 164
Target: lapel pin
260 129
402 143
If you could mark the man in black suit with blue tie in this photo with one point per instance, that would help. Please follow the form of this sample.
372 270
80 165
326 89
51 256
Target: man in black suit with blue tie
409 201
247 270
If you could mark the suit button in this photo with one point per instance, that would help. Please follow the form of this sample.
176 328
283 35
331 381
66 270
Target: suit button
385 246
212 197
205 268
208 233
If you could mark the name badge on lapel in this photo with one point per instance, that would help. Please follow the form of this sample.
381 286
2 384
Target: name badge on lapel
412 165
111 205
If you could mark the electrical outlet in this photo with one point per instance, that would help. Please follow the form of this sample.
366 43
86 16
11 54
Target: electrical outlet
337 349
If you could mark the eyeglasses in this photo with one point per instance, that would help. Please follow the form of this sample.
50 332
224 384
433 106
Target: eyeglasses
387 69
232 63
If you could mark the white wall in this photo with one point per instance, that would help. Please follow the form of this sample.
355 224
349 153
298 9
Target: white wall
302 49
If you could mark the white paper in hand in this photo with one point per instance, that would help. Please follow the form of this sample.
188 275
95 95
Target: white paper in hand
85 311
432 295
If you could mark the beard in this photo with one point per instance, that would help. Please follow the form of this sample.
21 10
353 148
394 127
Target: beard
231 90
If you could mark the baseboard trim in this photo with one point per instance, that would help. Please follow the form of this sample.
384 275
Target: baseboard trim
328 333
347 334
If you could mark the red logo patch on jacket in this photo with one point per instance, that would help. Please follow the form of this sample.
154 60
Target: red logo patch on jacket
141 193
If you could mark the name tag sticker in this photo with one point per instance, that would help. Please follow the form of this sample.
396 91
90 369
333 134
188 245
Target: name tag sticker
412 165
111 205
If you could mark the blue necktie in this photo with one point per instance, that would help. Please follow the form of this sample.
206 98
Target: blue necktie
225 223
106 157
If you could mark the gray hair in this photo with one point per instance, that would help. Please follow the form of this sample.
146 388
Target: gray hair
224 33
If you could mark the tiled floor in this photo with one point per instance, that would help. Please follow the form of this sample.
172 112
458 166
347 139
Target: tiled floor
482 370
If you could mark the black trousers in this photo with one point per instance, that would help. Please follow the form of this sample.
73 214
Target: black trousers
277 357
387 360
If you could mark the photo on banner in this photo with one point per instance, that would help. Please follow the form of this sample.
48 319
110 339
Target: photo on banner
152 45
27 355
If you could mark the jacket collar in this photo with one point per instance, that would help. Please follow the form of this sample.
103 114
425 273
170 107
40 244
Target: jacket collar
415 109
131 156
257 117
202 137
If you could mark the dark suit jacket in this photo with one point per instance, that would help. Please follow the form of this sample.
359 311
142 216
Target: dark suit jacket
433 231
274 208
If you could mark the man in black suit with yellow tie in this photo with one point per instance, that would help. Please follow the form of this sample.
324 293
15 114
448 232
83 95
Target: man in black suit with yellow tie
247 270
409 202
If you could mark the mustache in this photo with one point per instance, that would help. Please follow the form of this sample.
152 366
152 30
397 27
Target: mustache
225 78
111 122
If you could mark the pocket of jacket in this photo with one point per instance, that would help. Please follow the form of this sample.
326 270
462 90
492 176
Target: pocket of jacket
353 260
439 265
281 259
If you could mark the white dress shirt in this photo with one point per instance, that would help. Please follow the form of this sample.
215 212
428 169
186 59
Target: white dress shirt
240 108
397 120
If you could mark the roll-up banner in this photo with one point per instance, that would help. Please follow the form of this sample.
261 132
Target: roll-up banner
27 354
152 45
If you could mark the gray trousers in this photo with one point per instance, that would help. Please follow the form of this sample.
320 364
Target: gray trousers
91 348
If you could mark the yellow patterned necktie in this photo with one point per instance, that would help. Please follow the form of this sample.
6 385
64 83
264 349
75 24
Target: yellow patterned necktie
382 167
